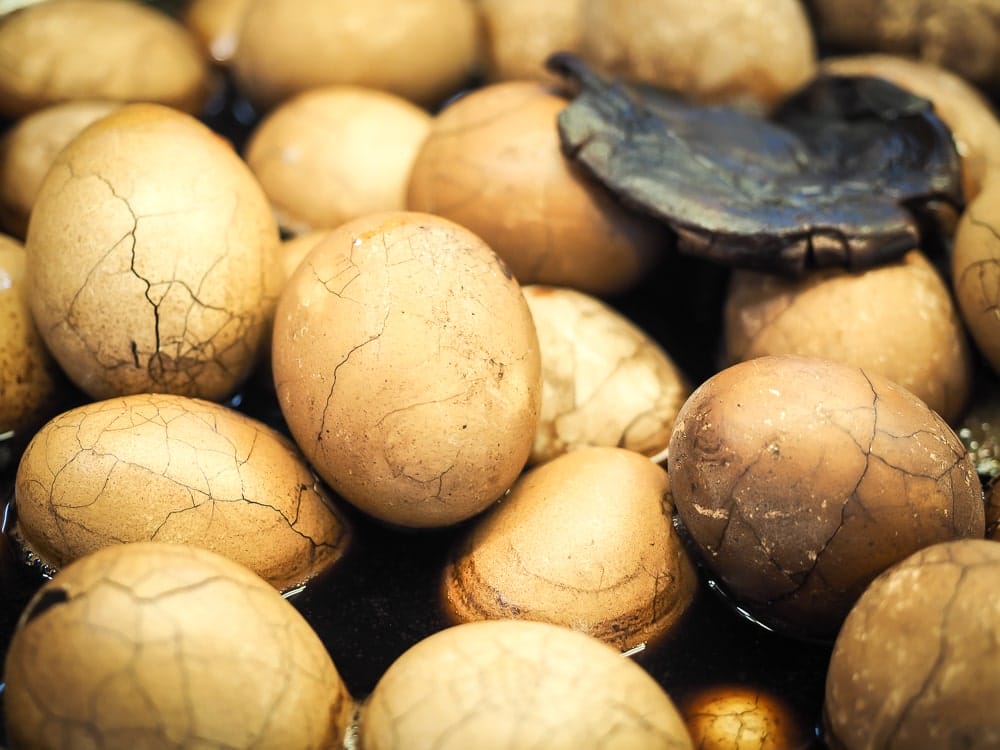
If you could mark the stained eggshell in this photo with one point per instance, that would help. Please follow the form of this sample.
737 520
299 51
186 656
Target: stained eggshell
406 365
29 378
715 50
507 684
897 320
915 665
422 50
28 149
965 110
161 645
802 479
604 380
168 468
97 49
585 541
740 717
492 162
152 258
975 272
335 153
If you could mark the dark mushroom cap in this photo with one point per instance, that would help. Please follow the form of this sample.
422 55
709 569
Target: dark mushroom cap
836 176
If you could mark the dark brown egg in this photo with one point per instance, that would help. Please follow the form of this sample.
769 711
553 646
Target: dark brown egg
802 479
916 665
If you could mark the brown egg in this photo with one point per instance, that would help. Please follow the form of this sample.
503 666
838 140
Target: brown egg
336 153
28 149
749 51
802 479
604 381
406 365
510 684
216 25
585 541
961 35
161 645
975 272
29 378
152 259
915 665
492 162
422 50
519 35
897 320
97 49
737 717
167 468
963 108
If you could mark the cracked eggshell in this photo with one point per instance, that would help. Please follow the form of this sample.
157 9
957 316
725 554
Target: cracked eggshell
737 717
802 479
714 50
335 153
29 377
152 258
492 162
174 469
161 645
507 684
585 541
897 319
604 381
29 148
97 49
406 365
423 50
975 272
915 665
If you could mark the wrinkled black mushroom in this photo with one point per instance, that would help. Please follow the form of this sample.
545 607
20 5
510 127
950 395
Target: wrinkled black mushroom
839 175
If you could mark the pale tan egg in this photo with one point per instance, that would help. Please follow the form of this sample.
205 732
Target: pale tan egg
97 49
422 50
519 35
335 153
967 112
493 163
507 684
152 258
753 52
28 149
29 377
585 541
897 320
406 365
975 272
216 25
161 645
168 468
604 380
295 249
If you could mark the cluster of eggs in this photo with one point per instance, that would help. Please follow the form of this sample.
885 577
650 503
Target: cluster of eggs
430 300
